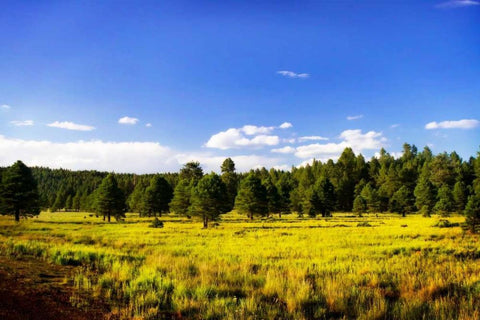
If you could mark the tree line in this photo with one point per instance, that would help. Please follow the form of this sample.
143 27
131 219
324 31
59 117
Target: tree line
414 182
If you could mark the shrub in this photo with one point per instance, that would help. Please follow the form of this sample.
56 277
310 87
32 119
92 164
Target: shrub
156 223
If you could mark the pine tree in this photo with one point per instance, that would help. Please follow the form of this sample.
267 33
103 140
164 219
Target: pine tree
425 193
369 194
109 199
460 196
472 213
18 192
359 205
157 196
274 198
209 198
76 201
191 171
230 179
68 203
252 197
181 197
445 202
402 201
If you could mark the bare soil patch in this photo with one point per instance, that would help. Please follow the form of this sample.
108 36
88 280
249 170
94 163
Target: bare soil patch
34 289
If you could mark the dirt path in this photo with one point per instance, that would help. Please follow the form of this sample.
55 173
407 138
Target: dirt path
34 289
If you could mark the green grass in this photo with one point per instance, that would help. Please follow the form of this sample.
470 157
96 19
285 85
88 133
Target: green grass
345 267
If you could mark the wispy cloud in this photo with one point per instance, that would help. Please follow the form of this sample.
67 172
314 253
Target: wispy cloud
128 120
148 125
457 4
393 126
24 123
453 124
70 126
291 74
286 125
355 117
311 138
5 107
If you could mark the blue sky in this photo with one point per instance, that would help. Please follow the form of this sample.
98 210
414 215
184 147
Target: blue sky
202 81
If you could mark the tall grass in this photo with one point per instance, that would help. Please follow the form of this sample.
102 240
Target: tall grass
289 268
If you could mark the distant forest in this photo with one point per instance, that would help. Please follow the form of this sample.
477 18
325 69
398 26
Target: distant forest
416 181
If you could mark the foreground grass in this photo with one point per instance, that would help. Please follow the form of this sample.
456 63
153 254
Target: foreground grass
383 267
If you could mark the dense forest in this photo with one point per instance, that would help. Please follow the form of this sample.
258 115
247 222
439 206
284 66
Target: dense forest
416 181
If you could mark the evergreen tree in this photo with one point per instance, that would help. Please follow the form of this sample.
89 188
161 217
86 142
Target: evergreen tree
460 196
425 193
252 197
445 203
181 197
157 196
136 200
274 199
369 194
230 179
191 171
472 213
402 201
18 192
76 201
209 198
109 199
326 195
359 205
68 203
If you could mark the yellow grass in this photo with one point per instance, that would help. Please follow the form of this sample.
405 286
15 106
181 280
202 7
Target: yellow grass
289 268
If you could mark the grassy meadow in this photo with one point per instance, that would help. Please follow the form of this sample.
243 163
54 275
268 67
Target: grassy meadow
345 267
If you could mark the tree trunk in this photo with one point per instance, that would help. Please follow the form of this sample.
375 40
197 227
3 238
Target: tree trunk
103 217
403 214
251 216
17 215
109 217
280 215
205 222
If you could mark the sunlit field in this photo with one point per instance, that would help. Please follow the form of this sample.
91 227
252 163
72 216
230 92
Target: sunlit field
345 267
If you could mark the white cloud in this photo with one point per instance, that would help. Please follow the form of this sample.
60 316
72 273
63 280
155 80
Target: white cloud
285 150
237 137
354 139
70 126
355 117
139 157
291 74
148 125
131 157
128 120
286 125
321 150
458 4
252 130
22 123
311 138
5 107
289 140
396 125
459 124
